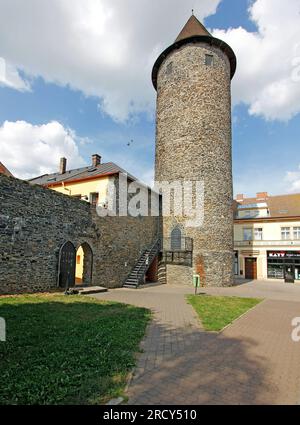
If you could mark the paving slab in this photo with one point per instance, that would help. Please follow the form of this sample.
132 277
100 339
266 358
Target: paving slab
253 361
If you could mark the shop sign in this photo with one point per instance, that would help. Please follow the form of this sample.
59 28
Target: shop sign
284 254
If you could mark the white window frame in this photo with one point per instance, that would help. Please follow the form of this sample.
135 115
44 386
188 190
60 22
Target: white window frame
296 233
244 234
258 234
91 198
285 233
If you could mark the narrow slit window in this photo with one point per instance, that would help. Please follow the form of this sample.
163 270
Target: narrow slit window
170 68
209 60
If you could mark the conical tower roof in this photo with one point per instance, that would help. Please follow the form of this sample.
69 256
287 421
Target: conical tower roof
192 28
192 32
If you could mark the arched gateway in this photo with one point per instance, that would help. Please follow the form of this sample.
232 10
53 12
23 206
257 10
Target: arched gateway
75 266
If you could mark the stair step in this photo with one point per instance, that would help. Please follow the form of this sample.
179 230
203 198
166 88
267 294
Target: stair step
133 280
92 290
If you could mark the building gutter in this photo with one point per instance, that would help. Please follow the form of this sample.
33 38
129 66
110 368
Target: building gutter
266 220
74 181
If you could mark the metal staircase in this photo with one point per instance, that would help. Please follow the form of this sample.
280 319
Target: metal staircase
138 273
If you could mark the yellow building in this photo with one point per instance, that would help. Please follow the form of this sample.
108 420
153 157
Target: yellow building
90 184
267 237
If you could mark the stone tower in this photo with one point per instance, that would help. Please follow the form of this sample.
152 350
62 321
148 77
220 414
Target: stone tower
193 143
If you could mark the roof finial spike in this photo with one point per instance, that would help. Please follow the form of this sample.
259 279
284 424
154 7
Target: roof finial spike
193 12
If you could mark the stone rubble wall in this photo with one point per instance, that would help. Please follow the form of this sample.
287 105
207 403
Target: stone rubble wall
193 143
34 224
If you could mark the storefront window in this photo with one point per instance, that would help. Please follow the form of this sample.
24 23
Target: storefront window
284 265
275 271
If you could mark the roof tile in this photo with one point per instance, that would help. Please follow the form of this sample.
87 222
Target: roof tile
192 27
80 173
281 206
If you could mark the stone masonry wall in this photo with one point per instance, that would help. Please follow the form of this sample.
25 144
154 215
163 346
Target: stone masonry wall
193 143
35 223
179 275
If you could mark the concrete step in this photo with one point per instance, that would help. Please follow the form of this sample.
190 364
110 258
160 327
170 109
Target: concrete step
91 290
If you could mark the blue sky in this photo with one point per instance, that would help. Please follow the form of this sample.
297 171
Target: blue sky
265 146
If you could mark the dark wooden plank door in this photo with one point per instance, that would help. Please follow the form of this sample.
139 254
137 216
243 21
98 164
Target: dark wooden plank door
67 266
251 268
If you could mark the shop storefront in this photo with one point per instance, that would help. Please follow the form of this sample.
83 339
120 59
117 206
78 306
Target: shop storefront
284 265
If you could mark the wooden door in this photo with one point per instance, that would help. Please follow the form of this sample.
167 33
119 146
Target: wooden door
251 268
67 265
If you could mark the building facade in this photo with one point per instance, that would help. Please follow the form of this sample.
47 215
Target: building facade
90 184
267 237
193 144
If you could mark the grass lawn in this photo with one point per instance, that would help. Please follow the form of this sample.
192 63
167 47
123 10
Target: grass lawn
67 350
217 312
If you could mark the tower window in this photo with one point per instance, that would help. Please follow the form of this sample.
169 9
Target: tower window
209 60
176 239
169 68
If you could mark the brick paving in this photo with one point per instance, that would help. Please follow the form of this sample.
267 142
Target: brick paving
253 361
275 290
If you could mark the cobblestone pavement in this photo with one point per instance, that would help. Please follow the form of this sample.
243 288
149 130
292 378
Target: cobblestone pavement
253 361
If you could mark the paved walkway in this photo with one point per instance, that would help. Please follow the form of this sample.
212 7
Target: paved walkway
254 361
275 290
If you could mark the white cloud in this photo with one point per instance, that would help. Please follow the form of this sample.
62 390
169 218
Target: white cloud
292 178
268 72
106 49
103 48
9 76
31 150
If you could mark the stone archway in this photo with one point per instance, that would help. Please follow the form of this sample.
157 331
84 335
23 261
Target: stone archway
84 265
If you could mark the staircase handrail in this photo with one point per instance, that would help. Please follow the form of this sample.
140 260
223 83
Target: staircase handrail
153 250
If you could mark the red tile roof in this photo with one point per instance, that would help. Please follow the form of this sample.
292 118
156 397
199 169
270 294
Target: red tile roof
280 206
4 170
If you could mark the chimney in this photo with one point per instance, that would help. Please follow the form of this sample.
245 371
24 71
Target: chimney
261 196
63 165
240 197
96 160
